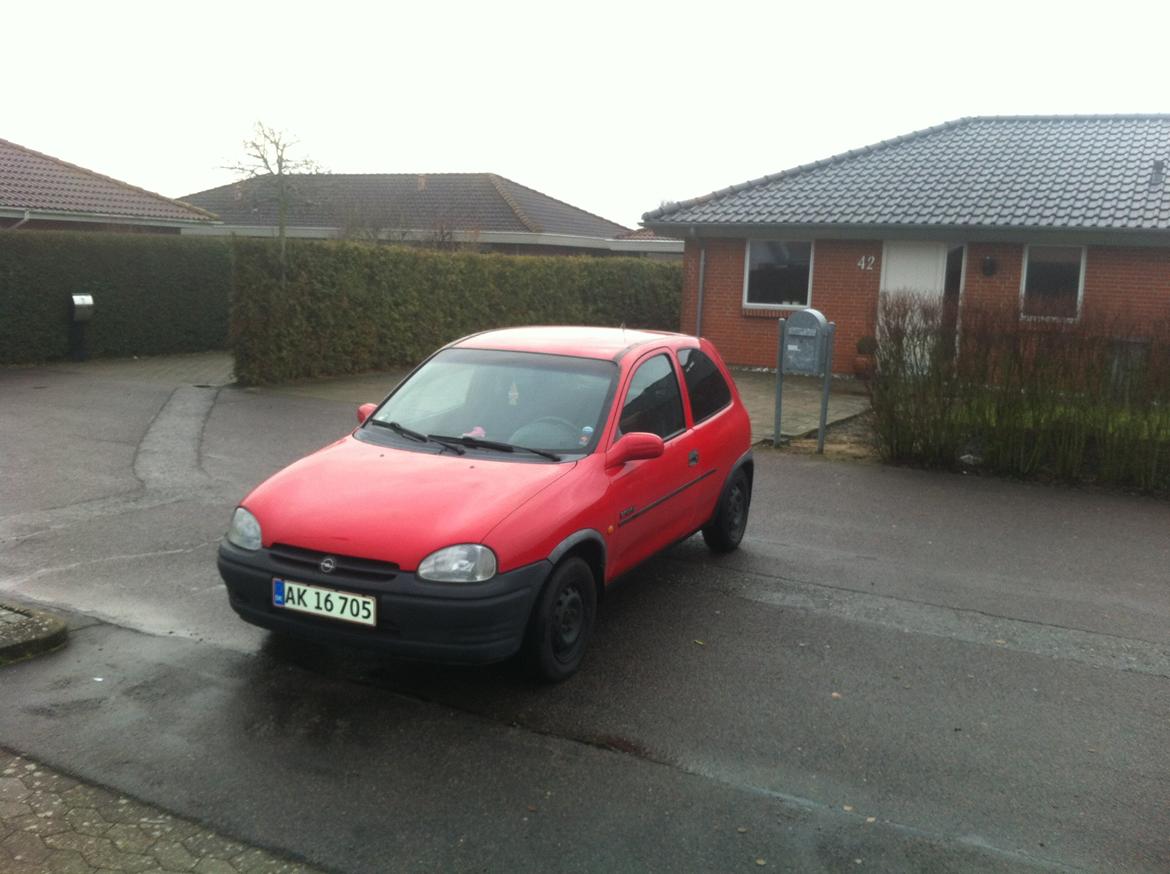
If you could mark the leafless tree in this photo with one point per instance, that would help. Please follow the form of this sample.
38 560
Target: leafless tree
267 156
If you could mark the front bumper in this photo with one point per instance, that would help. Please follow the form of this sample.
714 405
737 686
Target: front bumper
450 622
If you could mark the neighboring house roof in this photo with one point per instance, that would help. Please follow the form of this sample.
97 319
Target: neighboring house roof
472 202
1059 173
48 187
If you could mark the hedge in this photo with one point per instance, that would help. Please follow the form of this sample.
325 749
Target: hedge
350 307
153 294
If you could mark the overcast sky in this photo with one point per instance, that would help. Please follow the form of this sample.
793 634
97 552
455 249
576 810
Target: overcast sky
613 107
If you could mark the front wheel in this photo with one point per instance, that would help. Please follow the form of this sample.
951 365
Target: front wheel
561 622
725 530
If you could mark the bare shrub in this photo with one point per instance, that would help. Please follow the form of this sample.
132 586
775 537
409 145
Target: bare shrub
1084 400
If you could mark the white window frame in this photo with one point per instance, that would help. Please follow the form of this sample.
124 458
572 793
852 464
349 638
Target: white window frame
1080 283
747 275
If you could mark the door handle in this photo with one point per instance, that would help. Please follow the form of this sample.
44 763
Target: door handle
693 459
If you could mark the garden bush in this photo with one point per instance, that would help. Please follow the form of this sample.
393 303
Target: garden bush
345 307
1085 401
153 294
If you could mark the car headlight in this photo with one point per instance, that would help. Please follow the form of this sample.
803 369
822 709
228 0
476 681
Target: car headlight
465 563
244 531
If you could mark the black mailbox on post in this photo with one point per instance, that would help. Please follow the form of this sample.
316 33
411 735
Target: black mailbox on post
82 307
80 312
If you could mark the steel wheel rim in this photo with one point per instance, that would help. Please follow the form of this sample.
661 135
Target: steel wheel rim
568 619
736 510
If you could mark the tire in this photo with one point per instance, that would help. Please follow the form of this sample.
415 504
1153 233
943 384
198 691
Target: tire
725 530
562 621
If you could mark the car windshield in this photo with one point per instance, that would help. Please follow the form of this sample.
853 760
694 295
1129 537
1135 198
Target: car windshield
551 402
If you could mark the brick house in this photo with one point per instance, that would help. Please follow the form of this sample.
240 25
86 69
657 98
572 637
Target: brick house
1063 218
41 193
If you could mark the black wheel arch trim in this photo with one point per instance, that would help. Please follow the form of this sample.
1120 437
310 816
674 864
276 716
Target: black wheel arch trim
746 460
590 535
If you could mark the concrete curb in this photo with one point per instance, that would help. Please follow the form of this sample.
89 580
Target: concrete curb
25 633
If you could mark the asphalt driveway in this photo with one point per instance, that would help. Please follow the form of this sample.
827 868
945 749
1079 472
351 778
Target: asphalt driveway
899 670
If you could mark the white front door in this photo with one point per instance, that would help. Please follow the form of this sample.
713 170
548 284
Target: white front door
916 267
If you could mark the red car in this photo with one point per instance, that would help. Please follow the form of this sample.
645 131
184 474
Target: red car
483 507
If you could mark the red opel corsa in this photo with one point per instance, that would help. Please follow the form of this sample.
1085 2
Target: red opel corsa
482 508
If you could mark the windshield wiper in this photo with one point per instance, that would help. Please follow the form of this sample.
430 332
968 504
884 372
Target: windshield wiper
480 443
401 429
416 435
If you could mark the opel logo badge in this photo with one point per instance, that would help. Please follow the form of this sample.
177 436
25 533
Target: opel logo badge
328 563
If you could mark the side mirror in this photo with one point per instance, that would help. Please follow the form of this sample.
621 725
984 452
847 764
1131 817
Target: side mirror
634 447
363 412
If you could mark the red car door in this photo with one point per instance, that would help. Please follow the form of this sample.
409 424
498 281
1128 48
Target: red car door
718 425
651 500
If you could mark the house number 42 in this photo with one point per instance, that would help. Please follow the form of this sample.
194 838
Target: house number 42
865 262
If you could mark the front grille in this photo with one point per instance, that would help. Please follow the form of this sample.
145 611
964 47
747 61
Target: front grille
347 566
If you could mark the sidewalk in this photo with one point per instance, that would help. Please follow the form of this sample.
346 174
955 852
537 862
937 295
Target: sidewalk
801 407
49 822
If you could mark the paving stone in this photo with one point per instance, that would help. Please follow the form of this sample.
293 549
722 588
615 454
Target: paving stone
40 824
84 796
130 838
124 810
12 789
214 866
173 855
87 821
13 809
206 844
70 840
258 862
49 803
25 847
67 862
22 867
50 782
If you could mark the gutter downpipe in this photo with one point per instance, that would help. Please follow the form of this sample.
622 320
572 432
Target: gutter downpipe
702 282
27 216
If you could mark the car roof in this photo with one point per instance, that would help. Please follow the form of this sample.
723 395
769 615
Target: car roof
578 341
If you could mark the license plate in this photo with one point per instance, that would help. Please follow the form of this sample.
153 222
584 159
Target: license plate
330 603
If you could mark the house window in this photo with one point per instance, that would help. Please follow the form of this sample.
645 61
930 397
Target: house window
779 273
1053 280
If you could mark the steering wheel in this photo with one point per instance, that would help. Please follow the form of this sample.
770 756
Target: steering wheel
571 430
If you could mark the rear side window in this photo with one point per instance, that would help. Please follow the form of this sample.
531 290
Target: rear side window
705 384
653 403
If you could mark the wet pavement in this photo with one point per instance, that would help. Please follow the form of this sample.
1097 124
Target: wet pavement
898 671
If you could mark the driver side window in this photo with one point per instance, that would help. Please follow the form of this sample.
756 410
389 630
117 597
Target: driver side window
653 402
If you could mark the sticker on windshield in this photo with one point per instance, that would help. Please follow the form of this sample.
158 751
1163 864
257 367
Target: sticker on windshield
513 395
586 436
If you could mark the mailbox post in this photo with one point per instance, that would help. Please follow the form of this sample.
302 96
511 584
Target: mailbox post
806 348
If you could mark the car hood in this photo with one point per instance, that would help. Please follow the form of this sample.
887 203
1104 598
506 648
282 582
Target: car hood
377 502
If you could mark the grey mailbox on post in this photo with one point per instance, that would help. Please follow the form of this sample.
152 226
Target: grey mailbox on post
806 348
806 340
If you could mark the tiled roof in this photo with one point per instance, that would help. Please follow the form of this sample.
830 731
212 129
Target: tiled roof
43 184
403 201
1058 172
